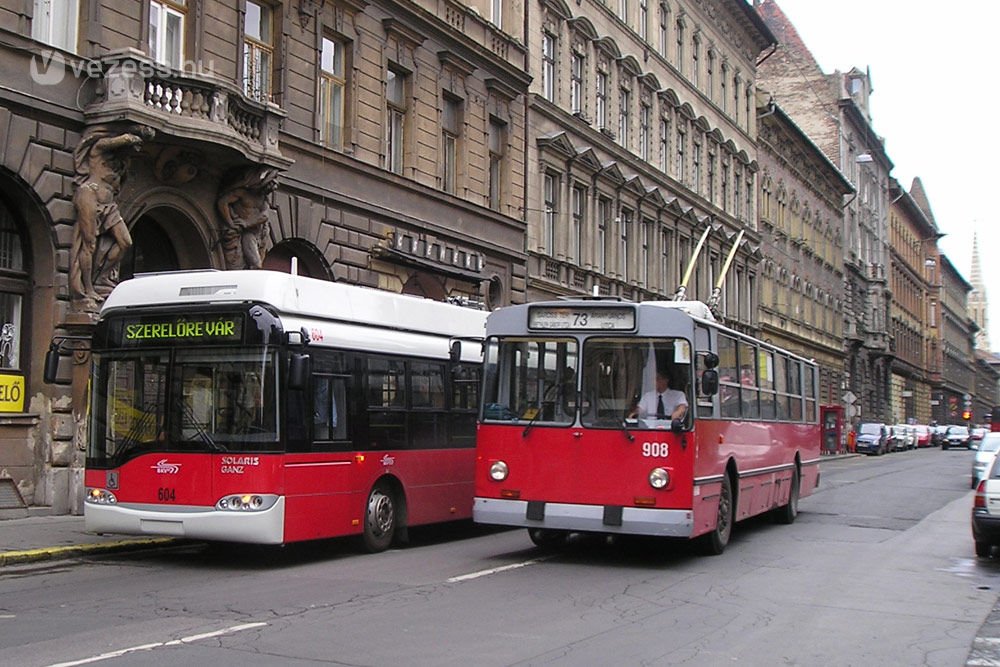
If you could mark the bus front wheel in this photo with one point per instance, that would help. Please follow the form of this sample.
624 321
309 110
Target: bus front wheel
786 513
714 543
380 519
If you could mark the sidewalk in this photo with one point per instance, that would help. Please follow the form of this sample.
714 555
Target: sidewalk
38 538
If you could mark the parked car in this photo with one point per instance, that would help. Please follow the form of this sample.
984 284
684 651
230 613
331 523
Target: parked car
902 438
923 435
984 456
976 436
986 511
956 436
872 438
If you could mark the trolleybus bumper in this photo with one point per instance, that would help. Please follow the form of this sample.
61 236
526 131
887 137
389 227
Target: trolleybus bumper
586 518
195 522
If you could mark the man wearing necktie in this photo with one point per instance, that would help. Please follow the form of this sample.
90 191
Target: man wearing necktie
661 402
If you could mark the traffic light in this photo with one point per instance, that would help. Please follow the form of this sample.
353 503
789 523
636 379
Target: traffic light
967 414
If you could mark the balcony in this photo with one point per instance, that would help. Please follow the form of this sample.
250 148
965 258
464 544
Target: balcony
188 105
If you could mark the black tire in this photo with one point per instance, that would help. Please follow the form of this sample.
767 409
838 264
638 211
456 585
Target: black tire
786 513
983 549
546 538
714 543
380 519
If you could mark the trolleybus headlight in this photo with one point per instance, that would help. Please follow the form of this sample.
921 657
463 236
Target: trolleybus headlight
247 502
100 497
498 471
659 478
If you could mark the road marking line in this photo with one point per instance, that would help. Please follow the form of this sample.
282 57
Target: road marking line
495 570
147 647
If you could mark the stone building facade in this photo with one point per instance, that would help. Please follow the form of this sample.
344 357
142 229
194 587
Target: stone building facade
913 239
958 365
643 136
378 143
801 221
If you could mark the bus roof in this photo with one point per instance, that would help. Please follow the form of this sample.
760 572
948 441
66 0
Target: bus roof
301 297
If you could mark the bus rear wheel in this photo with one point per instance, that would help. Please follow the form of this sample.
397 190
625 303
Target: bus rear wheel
547 538
786 513
714 543
380 519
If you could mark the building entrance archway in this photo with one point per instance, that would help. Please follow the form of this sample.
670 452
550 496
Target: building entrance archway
164 239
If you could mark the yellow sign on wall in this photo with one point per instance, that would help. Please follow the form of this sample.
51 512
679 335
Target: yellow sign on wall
11 393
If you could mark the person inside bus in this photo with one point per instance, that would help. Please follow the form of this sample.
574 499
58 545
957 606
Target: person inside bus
662 402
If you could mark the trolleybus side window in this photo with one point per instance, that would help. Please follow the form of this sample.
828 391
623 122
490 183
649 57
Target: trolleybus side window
794 390
781 385
330 413
809 387
749 396
428 422
386 404
465 379
729 378
768 400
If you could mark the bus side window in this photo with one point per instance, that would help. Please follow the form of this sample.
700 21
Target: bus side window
329 408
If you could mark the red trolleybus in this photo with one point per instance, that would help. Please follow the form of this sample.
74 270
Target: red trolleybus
262 407
562 447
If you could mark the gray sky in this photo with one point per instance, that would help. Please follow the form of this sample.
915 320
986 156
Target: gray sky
934 103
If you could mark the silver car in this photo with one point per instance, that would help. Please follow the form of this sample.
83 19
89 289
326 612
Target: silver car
984 456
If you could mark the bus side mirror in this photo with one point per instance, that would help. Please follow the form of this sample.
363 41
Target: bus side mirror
51 365
298 369
455 351
709 382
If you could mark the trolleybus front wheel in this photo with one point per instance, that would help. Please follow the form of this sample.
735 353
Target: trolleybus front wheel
380 519
714 543
547 538
786 513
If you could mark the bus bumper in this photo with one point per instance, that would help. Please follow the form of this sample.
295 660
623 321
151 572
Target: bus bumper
194 522
585 518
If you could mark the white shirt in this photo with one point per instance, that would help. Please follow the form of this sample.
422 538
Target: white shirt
671 399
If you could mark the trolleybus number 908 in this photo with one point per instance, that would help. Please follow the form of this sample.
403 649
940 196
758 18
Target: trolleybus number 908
656 449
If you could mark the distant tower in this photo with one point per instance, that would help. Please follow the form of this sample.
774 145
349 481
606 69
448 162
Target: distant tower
978 303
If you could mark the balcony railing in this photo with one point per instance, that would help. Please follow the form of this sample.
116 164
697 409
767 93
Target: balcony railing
191 105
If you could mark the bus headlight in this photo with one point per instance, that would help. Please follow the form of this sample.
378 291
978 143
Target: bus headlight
247 502
499 471
659 478
100 497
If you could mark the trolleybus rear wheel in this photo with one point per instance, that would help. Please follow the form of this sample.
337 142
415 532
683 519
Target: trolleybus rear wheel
786 513
546 538
380 519
714 543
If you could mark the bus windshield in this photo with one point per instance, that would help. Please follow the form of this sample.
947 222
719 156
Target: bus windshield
184 400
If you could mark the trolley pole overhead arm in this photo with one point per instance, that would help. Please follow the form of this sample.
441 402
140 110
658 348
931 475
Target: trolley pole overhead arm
679 294
713 302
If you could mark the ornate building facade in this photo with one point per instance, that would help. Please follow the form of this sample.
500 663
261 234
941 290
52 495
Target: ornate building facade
958 364
643 137
378 143
801 222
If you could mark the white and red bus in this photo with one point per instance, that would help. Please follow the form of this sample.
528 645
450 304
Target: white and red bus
560 450
263 407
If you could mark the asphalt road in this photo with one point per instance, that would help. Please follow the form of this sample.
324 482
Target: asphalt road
877 570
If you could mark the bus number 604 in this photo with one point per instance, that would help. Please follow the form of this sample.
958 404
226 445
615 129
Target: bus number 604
165 494
657 449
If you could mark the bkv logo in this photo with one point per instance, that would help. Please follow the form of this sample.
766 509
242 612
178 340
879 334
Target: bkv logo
48 68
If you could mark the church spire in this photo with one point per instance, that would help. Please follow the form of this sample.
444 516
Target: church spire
977 302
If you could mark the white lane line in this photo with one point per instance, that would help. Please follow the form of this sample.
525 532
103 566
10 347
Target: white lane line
147 647
495 570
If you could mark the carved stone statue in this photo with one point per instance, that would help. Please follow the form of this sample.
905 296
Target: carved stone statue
100 236
243 205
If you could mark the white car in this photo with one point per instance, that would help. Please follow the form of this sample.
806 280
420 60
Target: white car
986 511
984 456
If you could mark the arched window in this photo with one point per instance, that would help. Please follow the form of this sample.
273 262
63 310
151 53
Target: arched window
13 287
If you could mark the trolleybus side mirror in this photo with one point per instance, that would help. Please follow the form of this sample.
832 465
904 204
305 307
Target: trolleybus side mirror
298 369
455 351
711 360
51 364
709 382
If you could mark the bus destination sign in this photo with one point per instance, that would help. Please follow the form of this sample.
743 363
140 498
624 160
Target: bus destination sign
618 318
181 329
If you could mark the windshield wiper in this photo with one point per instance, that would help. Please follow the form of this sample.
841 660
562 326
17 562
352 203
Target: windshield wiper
538 412
198 430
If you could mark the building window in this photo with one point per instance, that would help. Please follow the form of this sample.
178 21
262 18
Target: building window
737 202
496 13
332 84
736 98
497 140
12 289
710 74
711 177
680 47
679 167
549 67
576 84
664 260
549 189
602 101
258 51
623 10
166 33
644 252
576 230
696 167
664 144
395 103
644 20
625 223
722 86
695 70
55 22
749 107
664 37
603 222
644 114
624 104
451 127
725 187
748 193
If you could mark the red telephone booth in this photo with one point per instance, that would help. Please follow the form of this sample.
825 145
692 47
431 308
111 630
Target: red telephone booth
831 419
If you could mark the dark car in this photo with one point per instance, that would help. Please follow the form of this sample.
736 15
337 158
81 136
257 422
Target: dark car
937 434
957 436
872 438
